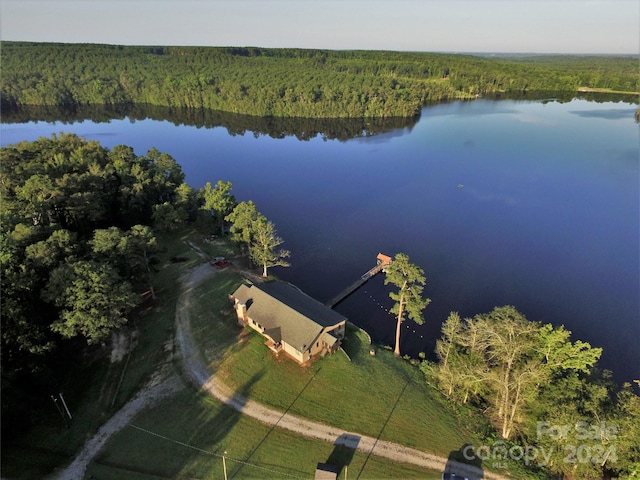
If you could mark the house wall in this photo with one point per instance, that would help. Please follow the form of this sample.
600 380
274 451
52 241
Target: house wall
318 345
256 326
339 330
300 357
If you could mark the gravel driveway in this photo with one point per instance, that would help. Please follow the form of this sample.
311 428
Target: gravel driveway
146 398
195 367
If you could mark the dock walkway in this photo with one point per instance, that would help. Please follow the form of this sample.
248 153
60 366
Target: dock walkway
357 284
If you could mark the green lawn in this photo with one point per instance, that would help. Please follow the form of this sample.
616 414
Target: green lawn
380 396
185 437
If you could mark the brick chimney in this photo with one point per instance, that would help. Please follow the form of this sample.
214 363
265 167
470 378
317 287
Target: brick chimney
241 311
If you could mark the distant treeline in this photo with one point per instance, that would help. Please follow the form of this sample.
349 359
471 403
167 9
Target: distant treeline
289 82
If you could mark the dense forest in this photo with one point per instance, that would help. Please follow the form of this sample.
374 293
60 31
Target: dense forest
289 82
77 250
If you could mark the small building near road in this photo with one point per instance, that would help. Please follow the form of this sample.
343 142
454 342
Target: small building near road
326 471
290 320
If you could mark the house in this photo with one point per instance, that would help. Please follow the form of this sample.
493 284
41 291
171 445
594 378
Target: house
289 319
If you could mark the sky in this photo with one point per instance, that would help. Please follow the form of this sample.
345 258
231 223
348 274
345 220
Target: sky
528 26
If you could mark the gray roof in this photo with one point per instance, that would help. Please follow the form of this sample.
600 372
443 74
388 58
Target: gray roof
277 305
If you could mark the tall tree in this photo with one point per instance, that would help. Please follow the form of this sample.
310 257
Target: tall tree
410 280
628 425
129 252
285 82
141 245
60 246
219 201
93 298
243 219
168 217
186 201
265 241
573 421
460 374
38 197
502 359
167 174
109 244
446 346
506 343
69 266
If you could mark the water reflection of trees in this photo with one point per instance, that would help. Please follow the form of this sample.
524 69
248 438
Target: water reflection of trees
565 97
235 124
275 127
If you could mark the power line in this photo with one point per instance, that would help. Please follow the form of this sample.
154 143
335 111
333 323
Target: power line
207 452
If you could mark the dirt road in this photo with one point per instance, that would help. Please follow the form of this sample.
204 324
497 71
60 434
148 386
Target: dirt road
196 368
146 398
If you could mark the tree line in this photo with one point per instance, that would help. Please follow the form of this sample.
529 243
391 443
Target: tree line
247 226
78 245
287 82
539 389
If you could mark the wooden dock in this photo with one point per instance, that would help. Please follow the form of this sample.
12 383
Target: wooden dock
357 284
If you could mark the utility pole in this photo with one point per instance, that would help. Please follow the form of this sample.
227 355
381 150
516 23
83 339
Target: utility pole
65 406
55 402
224 465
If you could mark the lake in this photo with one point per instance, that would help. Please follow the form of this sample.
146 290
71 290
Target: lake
527 203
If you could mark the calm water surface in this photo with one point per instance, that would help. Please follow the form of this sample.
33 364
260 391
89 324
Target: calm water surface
529 204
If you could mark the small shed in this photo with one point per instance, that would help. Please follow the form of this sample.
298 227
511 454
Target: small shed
326 471
384 259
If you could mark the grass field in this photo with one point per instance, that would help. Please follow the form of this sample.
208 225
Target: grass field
186 436
380 396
